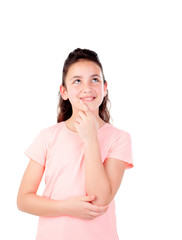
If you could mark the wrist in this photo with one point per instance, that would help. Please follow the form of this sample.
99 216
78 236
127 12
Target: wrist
90 141
63 208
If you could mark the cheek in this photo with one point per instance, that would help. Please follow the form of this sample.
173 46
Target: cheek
72 92
74 95
100 92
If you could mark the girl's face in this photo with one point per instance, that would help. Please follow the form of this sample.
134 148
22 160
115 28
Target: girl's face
84 79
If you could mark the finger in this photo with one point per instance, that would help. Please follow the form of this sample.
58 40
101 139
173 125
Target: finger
78 119
99 211
87 198
85 106
82 114
76 124
95 214
99 208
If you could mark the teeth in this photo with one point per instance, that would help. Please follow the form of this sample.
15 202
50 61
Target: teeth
88 98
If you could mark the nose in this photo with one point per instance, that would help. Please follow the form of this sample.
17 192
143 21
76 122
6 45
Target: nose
86 88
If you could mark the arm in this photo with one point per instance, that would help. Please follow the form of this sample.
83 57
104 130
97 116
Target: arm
96 180
27 199
115 169
102 180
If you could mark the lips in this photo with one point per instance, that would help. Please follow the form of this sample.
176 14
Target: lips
88 99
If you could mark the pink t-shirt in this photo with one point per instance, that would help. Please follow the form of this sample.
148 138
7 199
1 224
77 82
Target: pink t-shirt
61 151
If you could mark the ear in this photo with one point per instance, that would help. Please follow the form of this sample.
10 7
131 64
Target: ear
105 89
63 92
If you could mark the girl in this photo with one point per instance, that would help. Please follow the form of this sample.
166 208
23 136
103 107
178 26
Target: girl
84 158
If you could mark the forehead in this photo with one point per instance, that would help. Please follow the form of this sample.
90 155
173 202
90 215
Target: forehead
83 67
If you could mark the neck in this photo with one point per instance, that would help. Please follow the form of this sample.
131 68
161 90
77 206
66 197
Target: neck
70 122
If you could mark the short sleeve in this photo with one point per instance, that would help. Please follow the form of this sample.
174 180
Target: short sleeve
37 150
122 149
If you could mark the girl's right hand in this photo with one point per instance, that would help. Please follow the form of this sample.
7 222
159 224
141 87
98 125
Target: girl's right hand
80 207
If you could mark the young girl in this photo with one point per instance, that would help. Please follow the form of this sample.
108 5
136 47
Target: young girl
84 158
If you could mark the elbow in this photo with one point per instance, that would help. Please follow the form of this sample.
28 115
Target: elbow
102 200
20 203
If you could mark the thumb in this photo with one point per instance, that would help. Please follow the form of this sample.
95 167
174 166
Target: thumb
88 198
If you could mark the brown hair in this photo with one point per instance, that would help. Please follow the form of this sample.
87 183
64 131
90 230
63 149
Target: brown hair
64 108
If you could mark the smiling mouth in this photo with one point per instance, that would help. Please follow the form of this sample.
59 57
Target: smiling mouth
88 99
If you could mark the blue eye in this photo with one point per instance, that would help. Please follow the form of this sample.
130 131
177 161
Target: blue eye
92 79
96 79
76 80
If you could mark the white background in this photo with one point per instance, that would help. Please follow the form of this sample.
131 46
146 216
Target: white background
139 45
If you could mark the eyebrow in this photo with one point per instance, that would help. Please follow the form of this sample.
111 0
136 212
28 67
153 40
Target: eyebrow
94 75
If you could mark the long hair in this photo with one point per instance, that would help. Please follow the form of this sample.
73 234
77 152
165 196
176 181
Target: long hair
64 108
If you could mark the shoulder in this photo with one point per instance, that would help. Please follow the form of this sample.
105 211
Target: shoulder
116 132
49 131
113 136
